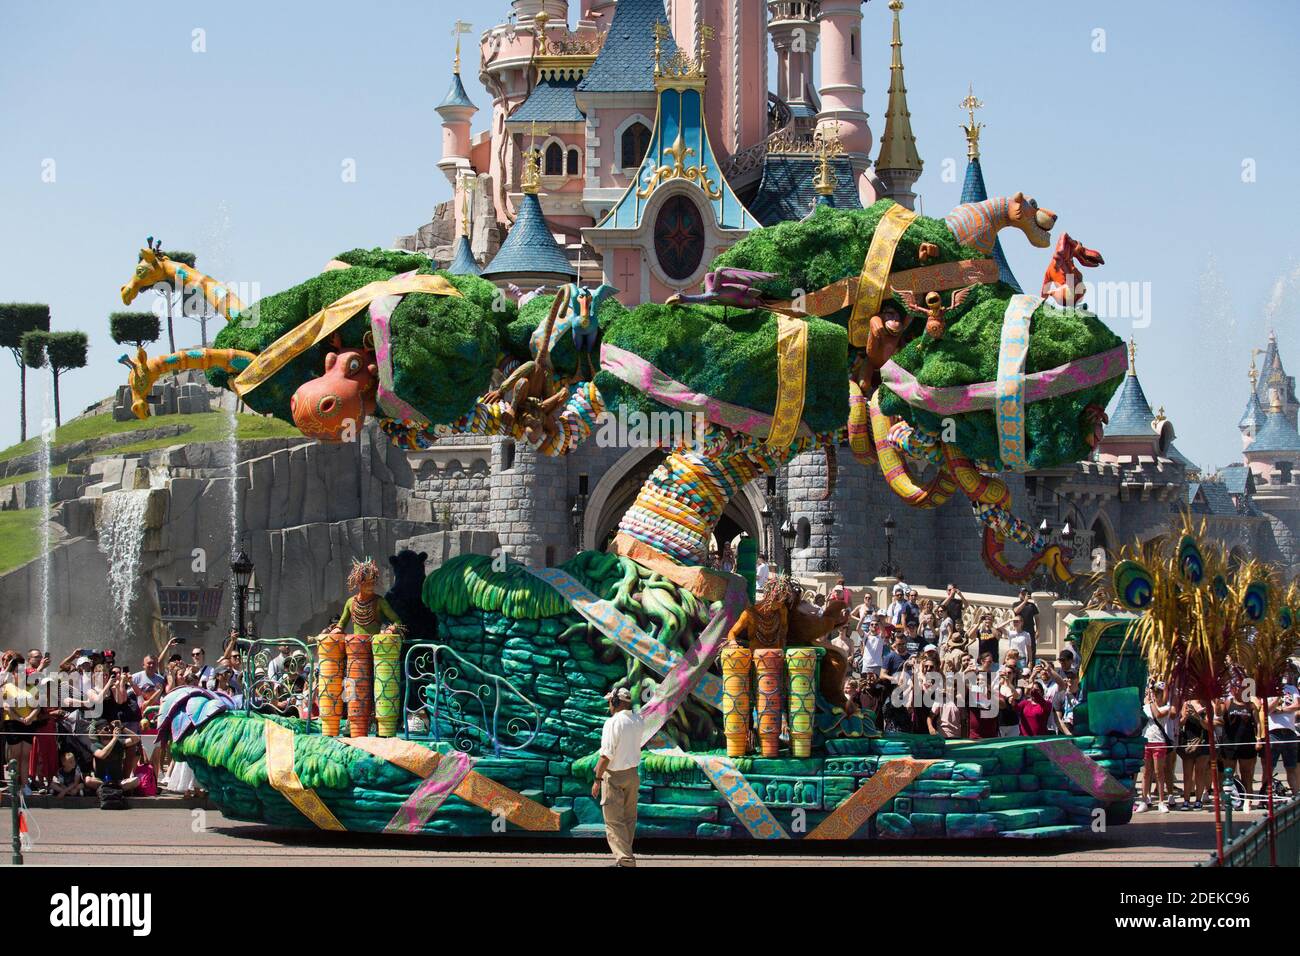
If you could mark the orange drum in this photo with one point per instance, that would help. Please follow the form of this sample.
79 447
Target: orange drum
769 664
329 682
358 684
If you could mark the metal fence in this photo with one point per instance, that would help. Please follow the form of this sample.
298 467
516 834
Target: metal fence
448 698
279 676
1250 847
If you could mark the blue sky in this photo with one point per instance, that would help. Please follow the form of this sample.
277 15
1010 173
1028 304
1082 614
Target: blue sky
237 152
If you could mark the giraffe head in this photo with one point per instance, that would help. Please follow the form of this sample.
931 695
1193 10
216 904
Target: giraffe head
150 270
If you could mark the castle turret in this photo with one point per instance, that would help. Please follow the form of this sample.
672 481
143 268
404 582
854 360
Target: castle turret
841 88
795 31
457 112
556 12
973 189
898 166
1252 419
530 256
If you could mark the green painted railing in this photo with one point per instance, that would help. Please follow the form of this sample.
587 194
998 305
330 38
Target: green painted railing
1250 847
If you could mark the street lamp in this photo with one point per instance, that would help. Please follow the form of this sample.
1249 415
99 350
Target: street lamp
242 568
788 534
253 604
828 564
887 569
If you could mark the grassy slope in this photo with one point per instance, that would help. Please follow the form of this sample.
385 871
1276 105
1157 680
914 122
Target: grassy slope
19 537
19 541
209 426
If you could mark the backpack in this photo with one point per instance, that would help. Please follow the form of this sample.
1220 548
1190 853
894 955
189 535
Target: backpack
148 780
111 797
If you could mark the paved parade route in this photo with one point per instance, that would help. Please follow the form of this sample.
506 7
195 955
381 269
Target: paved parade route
186 837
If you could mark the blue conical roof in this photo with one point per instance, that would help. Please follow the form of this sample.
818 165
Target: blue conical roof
1277 435
530 249
456 97
973 190
463 264
1253 416
1130 416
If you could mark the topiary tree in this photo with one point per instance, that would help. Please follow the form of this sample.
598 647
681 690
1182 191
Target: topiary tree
134 328
16 319
60 352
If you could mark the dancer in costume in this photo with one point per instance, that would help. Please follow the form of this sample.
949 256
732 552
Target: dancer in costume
373 627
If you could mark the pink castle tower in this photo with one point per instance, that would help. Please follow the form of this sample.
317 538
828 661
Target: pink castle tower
736 98
841 90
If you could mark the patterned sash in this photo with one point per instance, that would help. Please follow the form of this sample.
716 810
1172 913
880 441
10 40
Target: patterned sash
381 314
325 322
281 775
791 380
652 652
875 271
731 783
1082 770
1010 392
848 818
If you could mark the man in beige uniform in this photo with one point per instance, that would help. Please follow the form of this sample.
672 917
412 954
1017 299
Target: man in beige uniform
616 777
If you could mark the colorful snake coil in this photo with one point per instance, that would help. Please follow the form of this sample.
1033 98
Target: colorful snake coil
679 505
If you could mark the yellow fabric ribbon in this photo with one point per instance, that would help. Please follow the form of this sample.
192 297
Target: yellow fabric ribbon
791 380
293 343
280 773
875 271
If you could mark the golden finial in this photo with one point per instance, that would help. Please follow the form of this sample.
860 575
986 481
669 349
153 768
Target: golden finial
970 104
661 33
531 180
1160 417
1132 356
706 33
1254 372
829 145
468 186
541 19
459 29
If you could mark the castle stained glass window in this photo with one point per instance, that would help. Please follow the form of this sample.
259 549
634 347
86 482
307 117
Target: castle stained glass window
679 238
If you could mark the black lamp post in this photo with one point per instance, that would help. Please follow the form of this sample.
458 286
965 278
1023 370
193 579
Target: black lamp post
788 535
242 568
253 605
828 564
888 569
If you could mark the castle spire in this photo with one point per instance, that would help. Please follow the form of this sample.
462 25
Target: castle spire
899 165
970 104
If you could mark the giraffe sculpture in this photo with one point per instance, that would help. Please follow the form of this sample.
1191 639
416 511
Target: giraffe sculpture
154 268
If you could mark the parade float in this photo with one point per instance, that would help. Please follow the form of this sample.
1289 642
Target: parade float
888 332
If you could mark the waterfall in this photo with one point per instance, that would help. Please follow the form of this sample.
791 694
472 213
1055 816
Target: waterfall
121 539
47 440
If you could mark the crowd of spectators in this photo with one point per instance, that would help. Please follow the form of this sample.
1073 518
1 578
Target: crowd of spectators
87 726
1240 723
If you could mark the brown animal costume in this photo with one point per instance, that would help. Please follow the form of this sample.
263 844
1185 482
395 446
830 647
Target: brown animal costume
807 628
